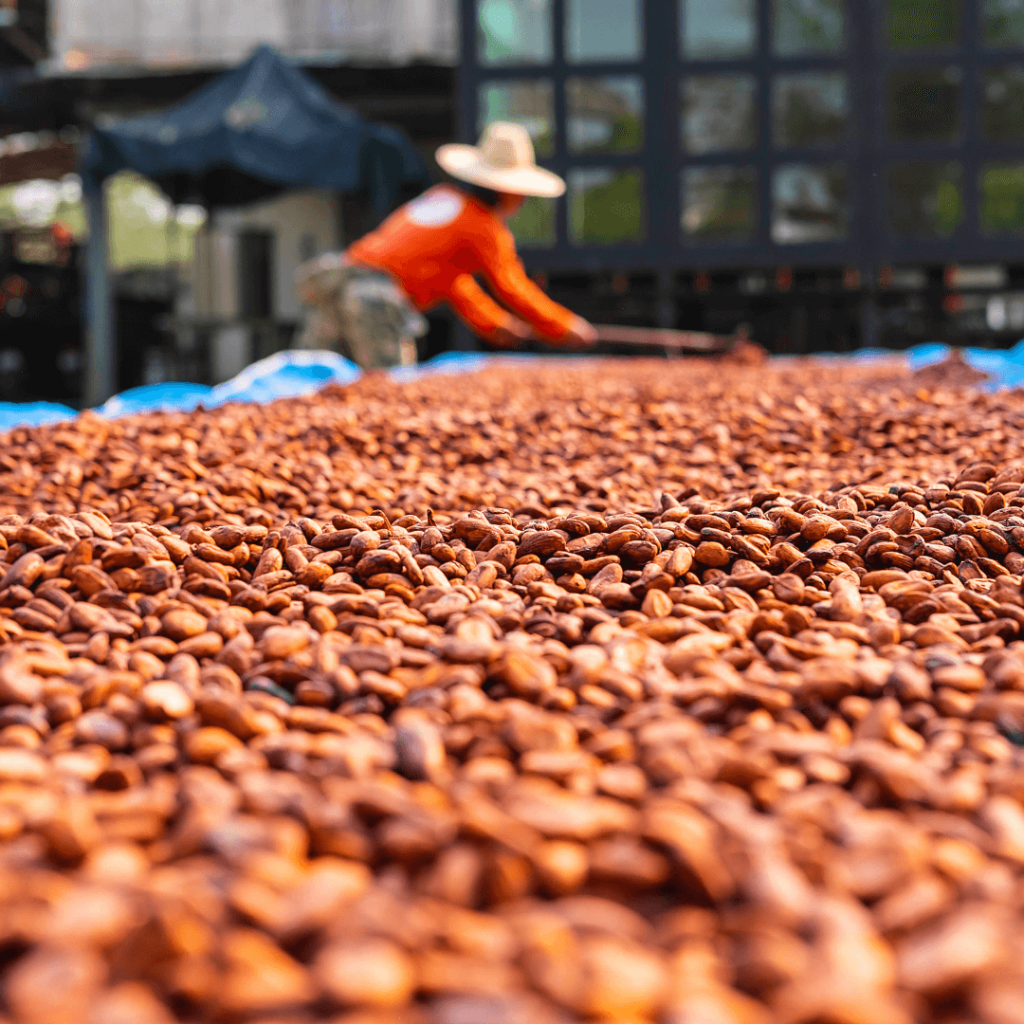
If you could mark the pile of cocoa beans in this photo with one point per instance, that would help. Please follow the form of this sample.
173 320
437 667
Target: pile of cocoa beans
667 692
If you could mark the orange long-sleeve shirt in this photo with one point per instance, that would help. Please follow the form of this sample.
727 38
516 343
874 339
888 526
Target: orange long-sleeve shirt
436 244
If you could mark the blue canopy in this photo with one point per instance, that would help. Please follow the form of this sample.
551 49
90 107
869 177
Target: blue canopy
252 132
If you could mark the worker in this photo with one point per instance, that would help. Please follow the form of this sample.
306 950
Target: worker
431 250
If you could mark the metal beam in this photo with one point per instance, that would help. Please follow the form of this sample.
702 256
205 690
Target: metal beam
24 44
100 341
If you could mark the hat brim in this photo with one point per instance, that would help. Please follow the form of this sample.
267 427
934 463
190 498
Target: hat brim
467 163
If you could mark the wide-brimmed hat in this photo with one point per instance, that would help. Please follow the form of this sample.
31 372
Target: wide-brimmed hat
503 160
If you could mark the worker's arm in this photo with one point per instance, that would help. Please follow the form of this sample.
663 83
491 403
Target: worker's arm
505 274
478 310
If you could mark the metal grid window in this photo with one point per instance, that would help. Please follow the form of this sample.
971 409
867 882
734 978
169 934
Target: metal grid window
697 134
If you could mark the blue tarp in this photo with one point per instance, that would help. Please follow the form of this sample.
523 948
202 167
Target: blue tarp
294 373
283 375
260 128
286 375
1004 366
32 414
168 397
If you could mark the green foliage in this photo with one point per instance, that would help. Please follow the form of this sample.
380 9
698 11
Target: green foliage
949 208
1002 107
72 215
807 120
612 212
627 134
733 217
534 224
1002 23
137 237
809 27
142 228
1002 199
913 24
544 143
923 105
924 200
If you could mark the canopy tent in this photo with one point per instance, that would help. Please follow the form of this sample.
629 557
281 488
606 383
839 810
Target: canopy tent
255 131
259 129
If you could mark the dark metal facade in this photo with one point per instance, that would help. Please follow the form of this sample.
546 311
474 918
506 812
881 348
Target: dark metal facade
869 150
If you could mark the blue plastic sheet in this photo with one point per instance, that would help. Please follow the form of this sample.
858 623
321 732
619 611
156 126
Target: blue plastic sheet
168 397
283 375
33 414
286 375
925 355
447 362
870 355
253 131
292 374
1004 366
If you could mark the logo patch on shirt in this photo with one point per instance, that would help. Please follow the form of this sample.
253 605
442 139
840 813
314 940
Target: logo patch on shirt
434 211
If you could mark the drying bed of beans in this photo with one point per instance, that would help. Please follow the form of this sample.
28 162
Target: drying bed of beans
668 692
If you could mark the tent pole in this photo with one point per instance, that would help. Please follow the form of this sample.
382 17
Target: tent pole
99 311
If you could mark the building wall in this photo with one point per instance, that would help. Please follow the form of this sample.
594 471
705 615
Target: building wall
300 225
90 34
303 224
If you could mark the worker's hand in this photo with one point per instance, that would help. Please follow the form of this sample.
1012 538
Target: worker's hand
580 334
512 334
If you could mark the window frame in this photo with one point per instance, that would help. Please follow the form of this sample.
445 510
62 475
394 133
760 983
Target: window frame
866 151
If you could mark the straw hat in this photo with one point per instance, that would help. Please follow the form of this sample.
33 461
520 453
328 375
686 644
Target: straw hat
503 160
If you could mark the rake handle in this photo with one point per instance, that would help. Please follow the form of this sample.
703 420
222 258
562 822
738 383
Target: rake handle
692 340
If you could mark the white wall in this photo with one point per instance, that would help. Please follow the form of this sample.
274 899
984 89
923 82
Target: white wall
184 33
296 219
304 224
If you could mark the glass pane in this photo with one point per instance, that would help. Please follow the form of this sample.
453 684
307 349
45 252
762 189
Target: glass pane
718 113
606 206
534 224
514 31
605 115
924 200
809 110
914 24
530 103
923 104
1002 104
718 28
1002 199
809 204
603 30
719 204
1002 22
808 26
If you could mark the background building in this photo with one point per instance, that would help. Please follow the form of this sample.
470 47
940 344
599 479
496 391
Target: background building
194 298
155 34
392 60
835 172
